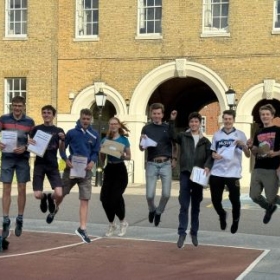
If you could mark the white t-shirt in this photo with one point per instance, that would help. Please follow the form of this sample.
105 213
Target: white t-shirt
230 166
195 138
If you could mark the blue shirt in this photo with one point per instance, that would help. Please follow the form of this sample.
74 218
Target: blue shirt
121 139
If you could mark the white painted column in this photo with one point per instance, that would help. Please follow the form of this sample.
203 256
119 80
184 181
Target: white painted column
244 124
135 124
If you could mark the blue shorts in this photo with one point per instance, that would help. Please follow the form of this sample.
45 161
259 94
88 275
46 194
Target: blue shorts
53 175
18 165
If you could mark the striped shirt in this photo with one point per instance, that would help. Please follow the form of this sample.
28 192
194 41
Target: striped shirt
22 126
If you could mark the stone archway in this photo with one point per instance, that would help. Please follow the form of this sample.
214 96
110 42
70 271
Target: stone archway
137 109
86 98
170 70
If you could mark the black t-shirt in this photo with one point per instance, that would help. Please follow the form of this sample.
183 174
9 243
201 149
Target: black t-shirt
267 137
50 156
159 133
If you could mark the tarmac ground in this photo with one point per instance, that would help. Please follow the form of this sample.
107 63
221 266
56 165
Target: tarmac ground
146 252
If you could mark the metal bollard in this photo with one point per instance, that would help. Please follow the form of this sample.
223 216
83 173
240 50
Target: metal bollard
98 177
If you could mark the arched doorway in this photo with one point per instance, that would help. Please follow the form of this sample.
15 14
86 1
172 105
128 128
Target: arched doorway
101 125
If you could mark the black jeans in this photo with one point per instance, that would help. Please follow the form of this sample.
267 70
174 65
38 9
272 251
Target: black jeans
114 184
217 185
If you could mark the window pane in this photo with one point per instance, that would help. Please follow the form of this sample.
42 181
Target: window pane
150 3
95 28
157 2
158 27
216 22
158 13
216 10
225 10
95 15
150 14
17 28
224 22
150 27
18 15
95 4
24 3
23 84
17 3
16 84
12 15
88 4
24 15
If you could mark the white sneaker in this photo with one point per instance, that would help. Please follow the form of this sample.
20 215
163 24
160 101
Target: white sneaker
111 230
123 228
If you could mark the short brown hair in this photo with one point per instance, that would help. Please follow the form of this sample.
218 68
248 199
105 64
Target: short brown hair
86 112
229 112
268 107
156 106
18 99
195 115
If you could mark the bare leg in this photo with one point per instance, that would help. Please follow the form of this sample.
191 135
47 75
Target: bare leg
83 213
6 198
21 197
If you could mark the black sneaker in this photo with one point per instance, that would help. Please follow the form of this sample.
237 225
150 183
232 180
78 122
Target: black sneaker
5 244
234 226
223 221
157 219
181 241
50 217
152 216
83 234
43 204
194 240
269 213
18 228
51 203
6 228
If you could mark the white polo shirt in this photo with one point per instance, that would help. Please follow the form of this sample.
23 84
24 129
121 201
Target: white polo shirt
230 166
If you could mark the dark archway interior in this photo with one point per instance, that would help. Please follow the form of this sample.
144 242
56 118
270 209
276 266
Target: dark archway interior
275 103
184 95
108 112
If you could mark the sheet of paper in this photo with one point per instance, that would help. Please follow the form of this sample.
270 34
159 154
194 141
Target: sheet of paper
112 148
42 141
79 164
198 176
147 142
228 152
9 138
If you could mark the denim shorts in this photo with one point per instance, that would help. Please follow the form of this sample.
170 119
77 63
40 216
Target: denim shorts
18 165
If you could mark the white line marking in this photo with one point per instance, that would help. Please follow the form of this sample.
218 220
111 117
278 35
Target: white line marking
50 249
252 265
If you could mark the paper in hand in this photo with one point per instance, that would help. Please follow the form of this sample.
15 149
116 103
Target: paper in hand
147 142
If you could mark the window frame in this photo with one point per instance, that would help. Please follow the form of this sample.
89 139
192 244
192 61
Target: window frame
214 31
8 11
203 124
94 21
142 12
276 14
13 92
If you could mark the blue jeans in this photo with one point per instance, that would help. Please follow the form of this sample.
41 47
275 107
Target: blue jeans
189 192
153 172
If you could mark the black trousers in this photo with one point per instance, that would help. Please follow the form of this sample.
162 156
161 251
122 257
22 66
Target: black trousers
217 185
114 184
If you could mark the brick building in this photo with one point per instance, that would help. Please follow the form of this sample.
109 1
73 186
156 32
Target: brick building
182 53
